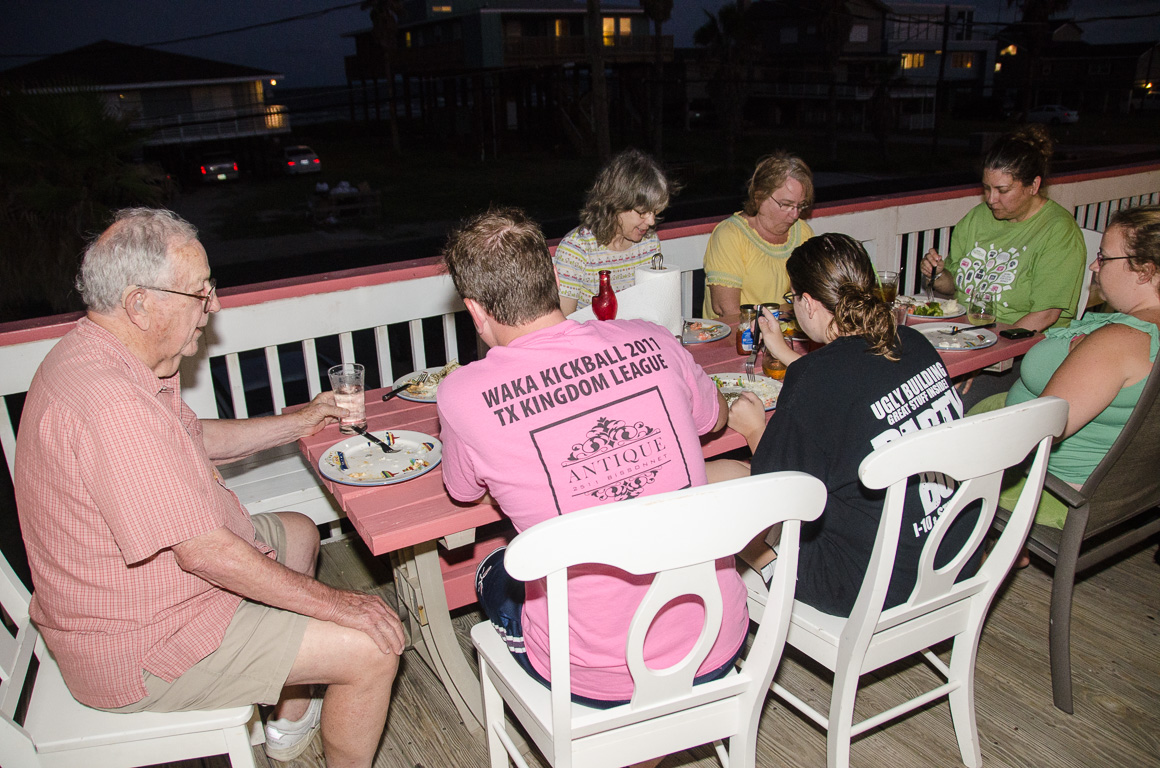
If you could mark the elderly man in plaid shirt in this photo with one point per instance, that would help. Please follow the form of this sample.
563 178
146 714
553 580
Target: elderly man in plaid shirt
154 588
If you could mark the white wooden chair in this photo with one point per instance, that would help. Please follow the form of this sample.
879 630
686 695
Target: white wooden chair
42 725
1091 239
939 608
677 536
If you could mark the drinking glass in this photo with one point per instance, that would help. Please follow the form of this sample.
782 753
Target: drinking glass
888 285
981 310
771 366
346 380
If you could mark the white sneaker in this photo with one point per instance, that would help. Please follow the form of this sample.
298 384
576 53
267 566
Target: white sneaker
287 739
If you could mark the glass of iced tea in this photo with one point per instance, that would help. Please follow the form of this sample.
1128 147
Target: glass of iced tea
771 366
888 285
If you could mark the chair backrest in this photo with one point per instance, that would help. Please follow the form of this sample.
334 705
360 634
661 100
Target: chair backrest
973 452
18 638
1126 481
678 536
1091 239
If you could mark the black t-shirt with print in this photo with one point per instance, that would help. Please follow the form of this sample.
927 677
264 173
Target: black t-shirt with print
838 404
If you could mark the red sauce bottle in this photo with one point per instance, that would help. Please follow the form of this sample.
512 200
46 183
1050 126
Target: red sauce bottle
604 303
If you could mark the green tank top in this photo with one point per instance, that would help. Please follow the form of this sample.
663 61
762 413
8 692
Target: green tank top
1074 458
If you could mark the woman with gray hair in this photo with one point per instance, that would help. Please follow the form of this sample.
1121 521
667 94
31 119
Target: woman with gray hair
745 259
617 229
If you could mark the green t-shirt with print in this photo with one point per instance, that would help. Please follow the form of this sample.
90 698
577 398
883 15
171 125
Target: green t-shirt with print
1027 266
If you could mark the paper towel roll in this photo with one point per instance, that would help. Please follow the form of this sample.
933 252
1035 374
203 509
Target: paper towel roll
656 297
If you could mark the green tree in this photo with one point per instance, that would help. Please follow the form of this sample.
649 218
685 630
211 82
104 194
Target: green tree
730 48
385 16
659 11
65 165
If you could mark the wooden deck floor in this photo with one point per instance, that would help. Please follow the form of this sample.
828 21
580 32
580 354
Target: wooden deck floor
1116 666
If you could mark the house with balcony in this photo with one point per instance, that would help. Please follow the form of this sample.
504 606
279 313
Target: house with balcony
481 71
186 104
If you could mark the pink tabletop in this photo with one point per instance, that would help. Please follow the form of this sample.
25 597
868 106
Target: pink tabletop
392 517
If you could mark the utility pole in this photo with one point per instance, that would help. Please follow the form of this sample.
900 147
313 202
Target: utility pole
942 69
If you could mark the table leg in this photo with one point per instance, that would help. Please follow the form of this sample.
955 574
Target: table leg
420 585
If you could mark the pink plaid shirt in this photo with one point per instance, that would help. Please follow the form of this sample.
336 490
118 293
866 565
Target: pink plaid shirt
111 472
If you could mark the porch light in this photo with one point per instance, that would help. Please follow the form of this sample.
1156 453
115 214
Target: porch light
273 82
1010 50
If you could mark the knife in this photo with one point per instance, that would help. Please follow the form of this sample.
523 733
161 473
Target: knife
366 433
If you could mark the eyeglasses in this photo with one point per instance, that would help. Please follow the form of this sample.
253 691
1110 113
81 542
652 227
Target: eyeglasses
1101 258
206 298
799 207
787 298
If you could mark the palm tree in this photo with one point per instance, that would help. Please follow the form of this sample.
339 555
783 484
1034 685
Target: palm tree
659 11
64 167
730 47
385 16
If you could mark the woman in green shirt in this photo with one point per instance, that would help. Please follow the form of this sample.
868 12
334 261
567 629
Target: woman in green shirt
1016 247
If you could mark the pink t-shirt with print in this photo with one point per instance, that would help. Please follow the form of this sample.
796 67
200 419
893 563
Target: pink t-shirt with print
573 416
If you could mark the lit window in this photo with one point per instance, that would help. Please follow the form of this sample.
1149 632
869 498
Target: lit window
561 28
962 60
913 60
609 28
998 66
441 9
625 26
407 39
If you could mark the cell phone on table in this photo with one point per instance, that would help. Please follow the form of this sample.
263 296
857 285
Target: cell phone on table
1016 333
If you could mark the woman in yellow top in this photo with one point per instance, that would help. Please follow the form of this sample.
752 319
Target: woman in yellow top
745 260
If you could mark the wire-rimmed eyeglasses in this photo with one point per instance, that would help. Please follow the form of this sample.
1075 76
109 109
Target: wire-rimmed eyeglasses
1101 258
799 207
206 298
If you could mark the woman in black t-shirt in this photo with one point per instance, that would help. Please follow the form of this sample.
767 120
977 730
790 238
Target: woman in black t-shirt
870 383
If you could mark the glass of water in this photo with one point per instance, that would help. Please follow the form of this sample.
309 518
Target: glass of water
347 382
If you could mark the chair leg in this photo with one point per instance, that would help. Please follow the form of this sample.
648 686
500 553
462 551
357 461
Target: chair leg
841 718
493 717
1062 587
962 701
241 752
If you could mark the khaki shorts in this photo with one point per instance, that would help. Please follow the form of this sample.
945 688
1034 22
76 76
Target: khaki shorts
251 664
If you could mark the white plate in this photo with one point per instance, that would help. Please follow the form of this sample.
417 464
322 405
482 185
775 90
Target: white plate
765 388
712 330
406 395
919 300
358 461
966 339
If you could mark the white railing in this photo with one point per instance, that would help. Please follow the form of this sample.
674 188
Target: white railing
276 339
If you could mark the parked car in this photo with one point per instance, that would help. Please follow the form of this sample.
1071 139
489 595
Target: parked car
1054 114
219 166
301 159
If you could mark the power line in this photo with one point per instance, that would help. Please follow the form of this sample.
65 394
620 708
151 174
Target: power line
235 30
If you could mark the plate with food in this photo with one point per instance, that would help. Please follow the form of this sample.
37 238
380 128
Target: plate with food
733 384
698 330
358 461
424 390
957 336
919 307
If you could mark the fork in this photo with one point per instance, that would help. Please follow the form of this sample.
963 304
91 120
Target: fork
423 376
365 433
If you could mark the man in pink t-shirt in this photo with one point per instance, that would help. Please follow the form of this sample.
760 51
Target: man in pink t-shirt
560 416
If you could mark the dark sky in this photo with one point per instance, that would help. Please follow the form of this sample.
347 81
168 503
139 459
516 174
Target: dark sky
310 52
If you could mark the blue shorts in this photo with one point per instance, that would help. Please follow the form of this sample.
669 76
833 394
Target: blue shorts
502 600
